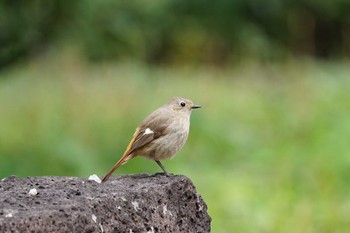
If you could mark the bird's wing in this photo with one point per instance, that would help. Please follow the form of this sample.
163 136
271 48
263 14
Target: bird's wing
147 135
153 127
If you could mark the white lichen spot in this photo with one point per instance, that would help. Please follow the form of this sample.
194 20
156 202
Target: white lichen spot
123 198
119 207
95 178
135 204
151 231
165 210
94 218
101 227
200 207
131 231
33 192
9 215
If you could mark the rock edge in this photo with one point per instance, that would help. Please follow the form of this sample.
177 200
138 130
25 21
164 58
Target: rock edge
125 203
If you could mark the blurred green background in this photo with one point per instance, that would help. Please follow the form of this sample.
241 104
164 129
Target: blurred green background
268 151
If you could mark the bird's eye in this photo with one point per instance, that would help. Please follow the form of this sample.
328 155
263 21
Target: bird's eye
182 104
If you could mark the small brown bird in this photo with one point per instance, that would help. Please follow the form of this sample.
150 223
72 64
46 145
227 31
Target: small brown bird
161 134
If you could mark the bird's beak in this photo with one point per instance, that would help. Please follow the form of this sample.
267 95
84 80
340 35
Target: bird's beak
195 106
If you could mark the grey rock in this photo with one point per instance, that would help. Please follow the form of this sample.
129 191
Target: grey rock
125 203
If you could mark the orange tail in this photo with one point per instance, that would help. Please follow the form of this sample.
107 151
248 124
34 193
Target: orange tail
125 158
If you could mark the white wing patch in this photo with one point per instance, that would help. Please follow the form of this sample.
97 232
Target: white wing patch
148 131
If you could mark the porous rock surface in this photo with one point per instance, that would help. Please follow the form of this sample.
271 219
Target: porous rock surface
125 203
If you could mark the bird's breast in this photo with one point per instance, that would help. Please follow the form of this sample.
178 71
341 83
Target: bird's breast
170 143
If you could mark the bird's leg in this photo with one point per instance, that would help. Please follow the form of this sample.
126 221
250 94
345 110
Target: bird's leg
162 167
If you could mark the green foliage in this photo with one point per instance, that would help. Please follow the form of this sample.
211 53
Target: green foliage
26 27
268 151
176 31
